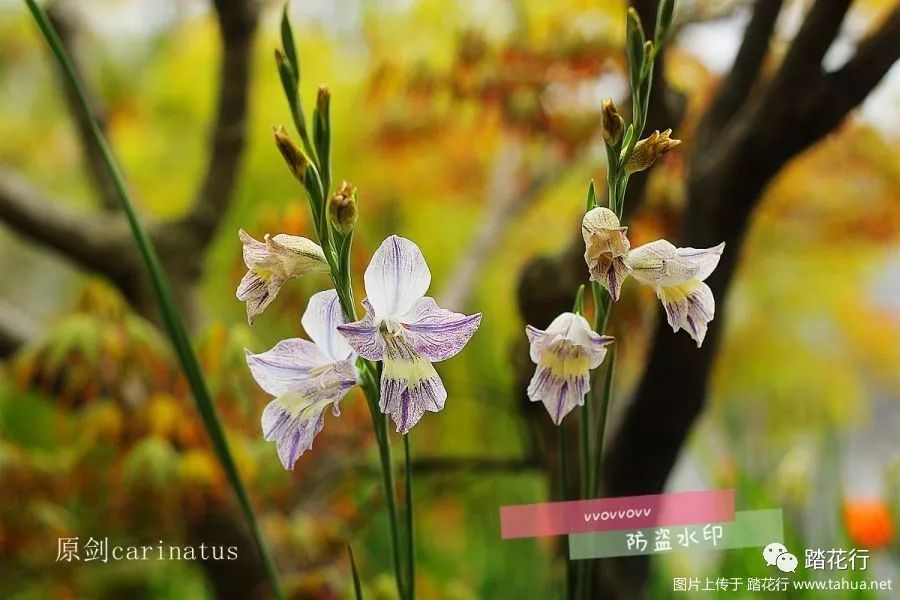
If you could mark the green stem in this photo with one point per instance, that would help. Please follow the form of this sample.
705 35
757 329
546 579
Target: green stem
410 524
563 494
172 320
584 425
380 422
601 426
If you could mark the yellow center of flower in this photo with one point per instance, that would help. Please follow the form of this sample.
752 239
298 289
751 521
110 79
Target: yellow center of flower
565 359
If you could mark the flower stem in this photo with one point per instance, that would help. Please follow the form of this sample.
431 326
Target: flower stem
601 426
563 492
369 383
390 495
174 324
410 524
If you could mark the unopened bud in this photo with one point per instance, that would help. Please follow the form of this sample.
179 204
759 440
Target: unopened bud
342 209
613 124
323 101
293 156
649 149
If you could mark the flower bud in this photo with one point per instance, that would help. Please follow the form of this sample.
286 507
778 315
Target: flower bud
342 210
323 101
649 149
613 124
293 156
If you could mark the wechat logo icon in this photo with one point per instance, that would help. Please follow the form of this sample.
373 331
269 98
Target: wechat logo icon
776 554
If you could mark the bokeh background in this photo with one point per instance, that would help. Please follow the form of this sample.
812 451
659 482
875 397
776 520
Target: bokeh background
471 128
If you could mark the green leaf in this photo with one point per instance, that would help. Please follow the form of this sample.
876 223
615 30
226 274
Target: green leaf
287 42
357 586
172 320
578 306
322 136
665 14
635 39
591 196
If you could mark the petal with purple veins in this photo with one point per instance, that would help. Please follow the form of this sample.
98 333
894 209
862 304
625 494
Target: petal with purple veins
660 264
288 367
396 277
321 319
689 306
363 335
436 333
409 384
292 425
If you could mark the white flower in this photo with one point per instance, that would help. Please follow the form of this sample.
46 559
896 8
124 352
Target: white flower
564 353
305 377
605 248
677 275
271 263
406 330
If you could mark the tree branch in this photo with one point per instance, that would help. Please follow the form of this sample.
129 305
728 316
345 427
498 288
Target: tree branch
745 71
849 85
93 242
803 62
68 29
237 20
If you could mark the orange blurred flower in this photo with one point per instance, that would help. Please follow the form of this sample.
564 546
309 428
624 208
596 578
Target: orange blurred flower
869 523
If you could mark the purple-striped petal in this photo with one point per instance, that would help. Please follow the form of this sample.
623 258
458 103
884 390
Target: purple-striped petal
396 277
689 306
363 335
292 426
437 333
565 353
320 320
559 394
288 367
409 384
660 264
258 289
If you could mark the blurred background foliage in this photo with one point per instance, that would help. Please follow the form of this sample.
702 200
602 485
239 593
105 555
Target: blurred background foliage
432 103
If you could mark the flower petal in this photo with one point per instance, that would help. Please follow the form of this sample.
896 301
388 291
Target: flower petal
558 394
409 384
610 273
320 320
292 424
363 335
537 339
287 367
568 327
564 353
603 233
437 333
689 306
258 289
252 249
396 277
295 255
660 264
